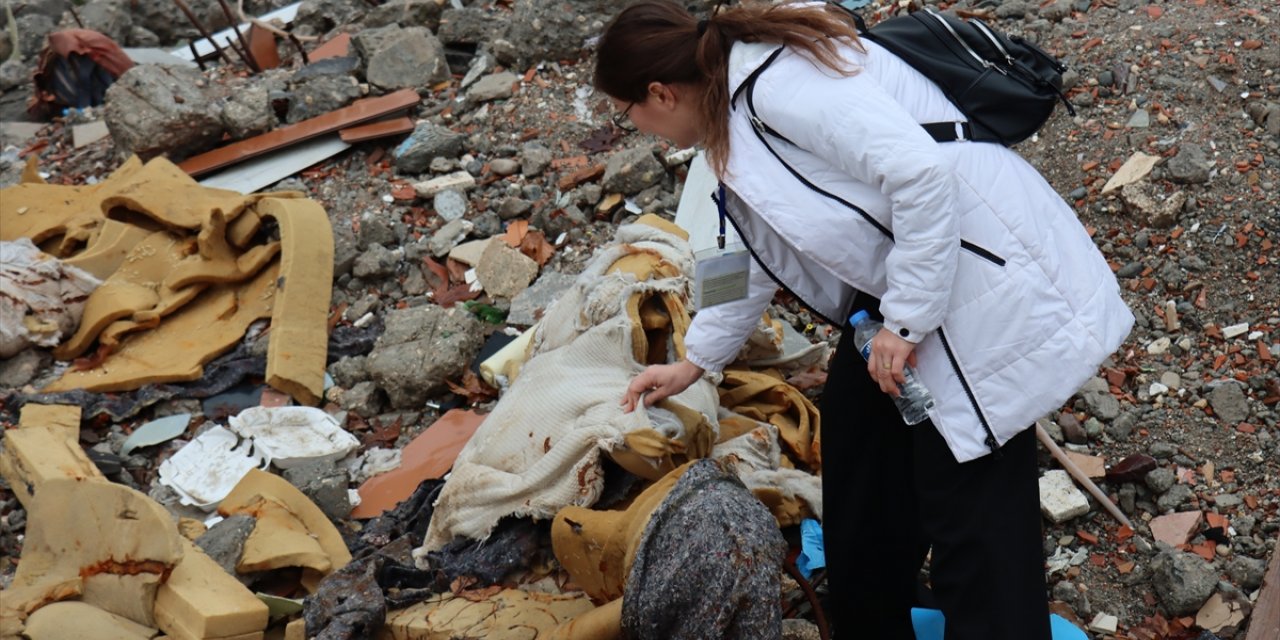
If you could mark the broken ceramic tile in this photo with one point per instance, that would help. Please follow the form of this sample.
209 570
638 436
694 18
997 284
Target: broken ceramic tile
155 432
205 470
429 456
292 436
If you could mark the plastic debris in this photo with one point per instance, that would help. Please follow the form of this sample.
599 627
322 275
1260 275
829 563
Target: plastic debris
208 468
812 552
156 432
292 436
929 625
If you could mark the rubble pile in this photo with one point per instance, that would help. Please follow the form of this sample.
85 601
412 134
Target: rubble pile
340 311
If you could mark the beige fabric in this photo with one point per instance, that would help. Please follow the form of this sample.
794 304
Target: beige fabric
539 450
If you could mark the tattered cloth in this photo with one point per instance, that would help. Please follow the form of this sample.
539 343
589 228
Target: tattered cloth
707 565
96 47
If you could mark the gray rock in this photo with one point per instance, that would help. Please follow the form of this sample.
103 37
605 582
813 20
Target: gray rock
505 272
1122 427
51 8
1227 501
376 228
513 208
13 73
325 484
1066 592
1229 402
166 20
345 249
320 95
427 142
1056 11
111 19
376 262
33 28
350 371
504 167
365 400
1140 119
1012 9
534 159
540 30
529 305
142 38
224 541
1190 166
421 348
497 86
406 13
631 171
1101 404
451 204
448 236
23 367
317 17
154 109
1160 480
1183 581
1176 496
405 58
799 629
1161 450
469 25
1243 524
247 112
1072 430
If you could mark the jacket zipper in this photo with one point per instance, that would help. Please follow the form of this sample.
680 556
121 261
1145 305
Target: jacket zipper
982 253
991 441
761 263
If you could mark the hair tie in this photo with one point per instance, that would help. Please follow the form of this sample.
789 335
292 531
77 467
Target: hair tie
702 27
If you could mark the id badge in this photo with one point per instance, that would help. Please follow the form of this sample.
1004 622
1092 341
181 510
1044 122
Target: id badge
720 276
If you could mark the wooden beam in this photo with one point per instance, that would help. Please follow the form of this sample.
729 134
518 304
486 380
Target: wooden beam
357 112
1264 624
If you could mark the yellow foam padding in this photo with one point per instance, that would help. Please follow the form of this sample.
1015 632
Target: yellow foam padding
135 287
42 211
31 171
656 307
202 600
766 398
19 602
507 361
597 547
107 251
217 261
788 511
279 539
71 619
63 418
660 223
119 541
164 193
33 456
601 623
510 614
177 349
259 484
296 354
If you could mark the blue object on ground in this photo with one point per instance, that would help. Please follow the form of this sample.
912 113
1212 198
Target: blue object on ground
929 625
854 4
812 552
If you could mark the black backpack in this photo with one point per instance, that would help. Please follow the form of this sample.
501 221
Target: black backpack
1006 87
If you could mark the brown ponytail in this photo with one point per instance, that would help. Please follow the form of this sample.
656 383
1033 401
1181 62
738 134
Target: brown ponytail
658 41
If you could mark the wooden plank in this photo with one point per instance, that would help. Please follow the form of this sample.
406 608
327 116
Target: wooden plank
1264 624
373 130
357 112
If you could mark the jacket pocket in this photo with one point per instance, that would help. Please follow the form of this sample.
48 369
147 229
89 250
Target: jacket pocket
985 254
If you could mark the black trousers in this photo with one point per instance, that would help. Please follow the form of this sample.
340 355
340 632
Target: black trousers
891 492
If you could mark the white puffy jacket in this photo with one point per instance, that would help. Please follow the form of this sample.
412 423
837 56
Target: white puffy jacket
986 269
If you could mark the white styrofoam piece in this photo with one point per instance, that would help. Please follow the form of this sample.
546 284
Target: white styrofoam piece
204 48
205 470
157 56
293 436
253 174
697 212
1060 500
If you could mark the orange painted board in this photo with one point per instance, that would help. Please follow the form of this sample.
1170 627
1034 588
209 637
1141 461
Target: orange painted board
262 44
337 47
429 456
353 114
374 130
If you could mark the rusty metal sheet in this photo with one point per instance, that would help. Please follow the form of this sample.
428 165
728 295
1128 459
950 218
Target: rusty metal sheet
358 112
373 130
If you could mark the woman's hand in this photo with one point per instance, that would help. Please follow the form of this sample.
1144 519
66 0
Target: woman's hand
889 353
660 381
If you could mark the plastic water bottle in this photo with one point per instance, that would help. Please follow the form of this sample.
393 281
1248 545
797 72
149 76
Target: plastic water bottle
914 400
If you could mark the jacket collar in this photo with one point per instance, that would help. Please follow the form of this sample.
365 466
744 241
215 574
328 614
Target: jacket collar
744 58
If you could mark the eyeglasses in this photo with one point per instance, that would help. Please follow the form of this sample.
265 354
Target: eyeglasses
621 121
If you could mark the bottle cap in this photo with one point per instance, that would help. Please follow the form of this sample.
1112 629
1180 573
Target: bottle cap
857 317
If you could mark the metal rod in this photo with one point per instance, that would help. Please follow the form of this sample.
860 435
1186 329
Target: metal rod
203 31
76 16
246 52
298 43
195 55
1080 476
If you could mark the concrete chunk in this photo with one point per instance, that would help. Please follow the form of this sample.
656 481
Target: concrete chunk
201 600
1060 500
460 180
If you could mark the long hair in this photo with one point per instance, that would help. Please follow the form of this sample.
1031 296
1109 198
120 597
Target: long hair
659 41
